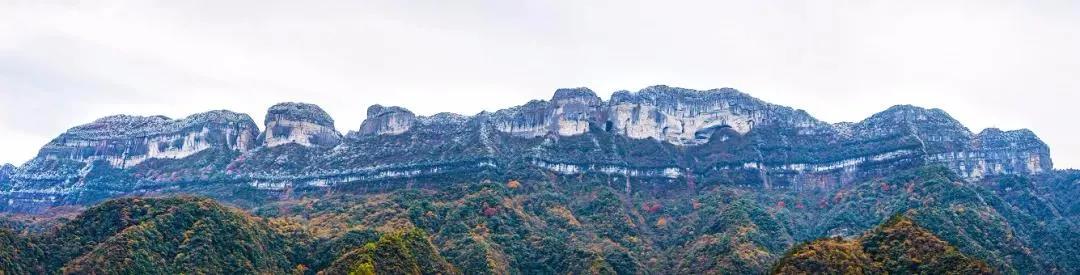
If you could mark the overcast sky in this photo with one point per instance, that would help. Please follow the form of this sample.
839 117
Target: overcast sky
1006 64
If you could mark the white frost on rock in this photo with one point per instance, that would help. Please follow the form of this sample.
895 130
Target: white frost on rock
569 113
299 132
573 169
301 123
678 126
387 120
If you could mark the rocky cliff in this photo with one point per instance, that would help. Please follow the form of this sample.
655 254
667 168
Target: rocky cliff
570 112
6 171
64 166
387 120
300 123
658 134
125 141
684 116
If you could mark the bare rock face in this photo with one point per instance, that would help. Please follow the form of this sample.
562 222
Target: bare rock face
570 112
91 154
6 171
300 123
995 152
673 115
387 120
944 140
660 133
574 110
933 126
686 117
124 141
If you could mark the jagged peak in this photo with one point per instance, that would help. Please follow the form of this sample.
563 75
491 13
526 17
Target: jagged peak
575 93
906 113
387 120
993 131
446 118
380 110
913 109
667 94
118 125
534 104
121 126
124 118
220 115
285 124
6 171
909 108
299 111
671 99
994 137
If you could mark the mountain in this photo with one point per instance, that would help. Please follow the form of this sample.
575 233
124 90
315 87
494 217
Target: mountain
659 134
662 180
299 123
899 246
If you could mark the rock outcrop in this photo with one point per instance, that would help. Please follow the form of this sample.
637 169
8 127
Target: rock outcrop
300 123
88 159
387 120
570 112
685 117
125 141
6 171
659 133
944 140
997 152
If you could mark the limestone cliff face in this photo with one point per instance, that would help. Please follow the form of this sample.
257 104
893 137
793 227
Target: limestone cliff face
387 120
125 141
674 115
995 152
570 112
300 123
688 117
87 154
943 140
6 171
933 127
574 110
659 133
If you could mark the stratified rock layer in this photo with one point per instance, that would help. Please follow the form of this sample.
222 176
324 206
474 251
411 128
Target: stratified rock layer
300 123
387 120
125 141
83 156
6 171
659 133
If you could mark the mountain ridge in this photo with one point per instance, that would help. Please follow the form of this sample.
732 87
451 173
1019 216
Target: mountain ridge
659 133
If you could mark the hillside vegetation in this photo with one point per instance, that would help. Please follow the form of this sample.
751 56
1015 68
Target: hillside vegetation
576 225
897 247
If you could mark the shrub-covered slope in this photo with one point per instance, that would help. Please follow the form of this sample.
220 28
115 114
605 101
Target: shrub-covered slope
560 225
164 236
897 247
408 252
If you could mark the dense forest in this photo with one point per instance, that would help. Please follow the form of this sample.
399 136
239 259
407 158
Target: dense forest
920 221
897 247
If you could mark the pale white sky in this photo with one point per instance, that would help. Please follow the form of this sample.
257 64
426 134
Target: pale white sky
1007 64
